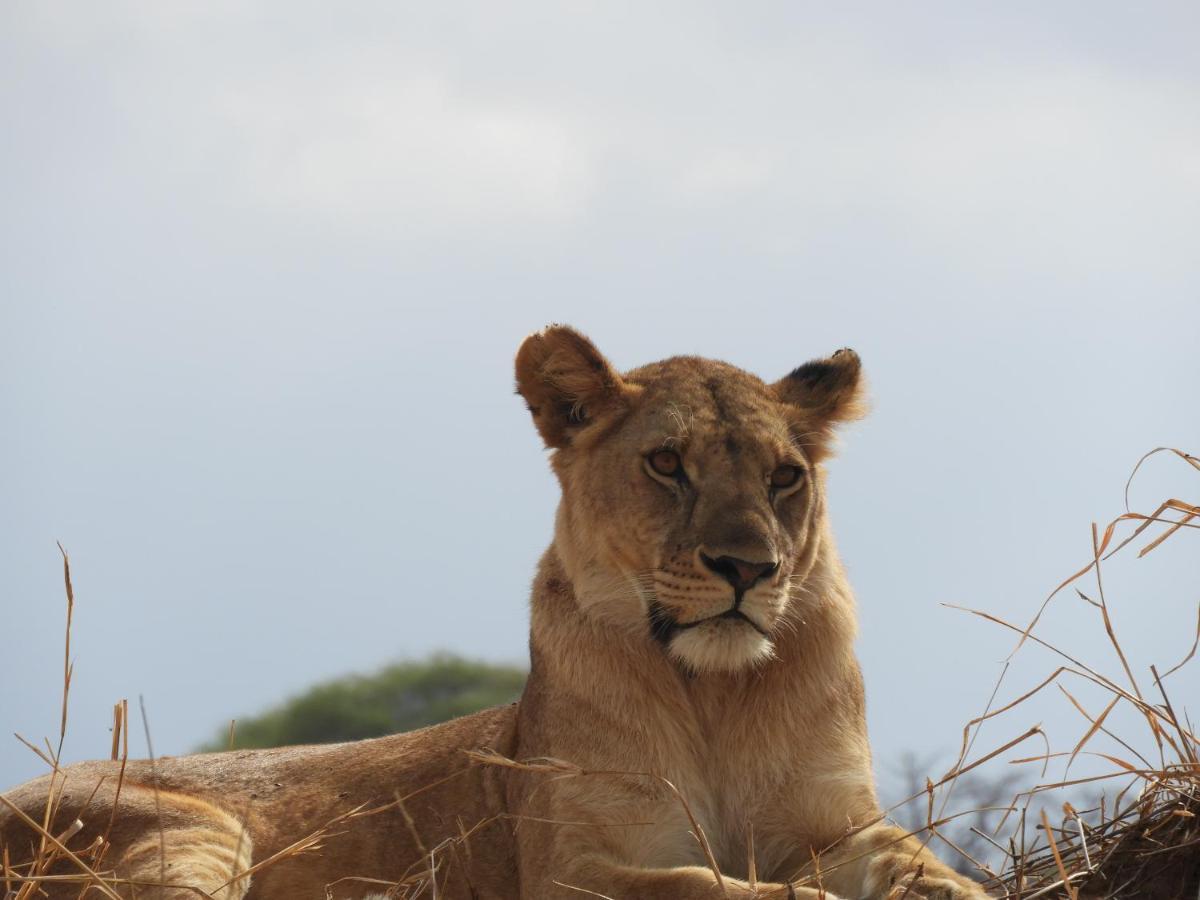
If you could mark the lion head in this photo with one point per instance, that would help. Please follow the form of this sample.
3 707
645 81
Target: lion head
692 491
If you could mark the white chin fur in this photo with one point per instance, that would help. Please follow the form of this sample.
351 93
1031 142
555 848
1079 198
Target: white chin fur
720 647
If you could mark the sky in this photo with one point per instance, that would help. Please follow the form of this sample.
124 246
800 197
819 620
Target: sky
264 267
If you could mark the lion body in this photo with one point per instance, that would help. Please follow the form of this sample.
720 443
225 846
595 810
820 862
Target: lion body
692 675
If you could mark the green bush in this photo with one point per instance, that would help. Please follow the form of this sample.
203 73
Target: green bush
401 697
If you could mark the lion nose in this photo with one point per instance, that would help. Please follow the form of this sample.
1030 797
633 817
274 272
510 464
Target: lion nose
741 574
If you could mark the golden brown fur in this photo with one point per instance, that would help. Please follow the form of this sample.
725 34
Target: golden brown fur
691 624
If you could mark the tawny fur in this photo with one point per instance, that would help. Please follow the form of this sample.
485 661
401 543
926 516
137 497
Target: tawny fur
641 679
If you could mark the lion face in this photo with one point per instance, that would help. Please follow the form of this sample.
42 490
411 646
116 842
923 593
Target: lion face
692 490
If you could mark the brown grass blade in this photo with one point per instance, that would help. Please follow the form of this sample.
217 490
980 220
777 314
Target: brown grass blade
1073 893
1096 725
1192 652
94 878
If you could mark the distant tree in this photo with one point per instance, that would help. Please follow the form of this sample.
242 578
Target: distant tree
401 697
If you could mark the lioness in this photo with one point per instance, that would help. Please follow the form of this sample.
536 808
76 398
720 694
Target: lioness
693 722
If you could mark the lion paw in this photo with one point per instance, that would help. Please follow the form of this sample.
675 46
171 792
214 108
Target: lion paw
921 887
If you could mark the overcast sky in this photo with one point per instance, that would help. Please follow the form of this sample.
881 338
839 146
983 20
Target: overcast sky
264 266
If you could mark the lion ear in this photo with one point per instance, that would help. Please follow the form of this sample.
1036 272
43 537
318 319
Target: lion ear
565 381
826 392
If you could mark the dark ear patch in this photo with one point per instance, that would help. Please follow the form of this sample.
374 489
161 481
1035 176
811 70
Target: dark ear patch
830 384
564 380
826 392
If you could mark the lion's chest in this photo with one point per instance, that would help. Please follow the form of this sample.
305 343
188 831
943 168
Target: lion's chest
723 800
751 789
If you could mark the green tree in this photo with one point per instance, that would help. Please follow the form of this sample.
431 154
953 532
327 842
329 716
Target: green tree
401 697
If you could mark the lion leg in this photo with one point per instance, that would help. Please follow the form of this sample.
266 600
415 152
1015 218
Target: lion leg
168 847
884 862
176 846
181 862
608 878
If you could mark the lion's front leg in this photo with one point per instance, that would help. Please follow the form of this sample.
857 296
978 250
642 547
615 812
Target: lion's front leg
883 863
632 848
604 877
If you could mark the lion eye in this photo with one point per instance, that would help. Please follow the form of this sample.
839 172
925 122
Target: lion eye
786 476
666 462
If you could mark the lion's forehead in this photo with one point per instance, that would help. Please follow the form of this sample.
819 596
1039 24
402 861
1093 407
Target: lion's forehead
711 408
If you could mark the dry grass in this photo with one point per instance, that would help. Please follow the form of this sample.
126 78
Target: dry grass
1142 844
